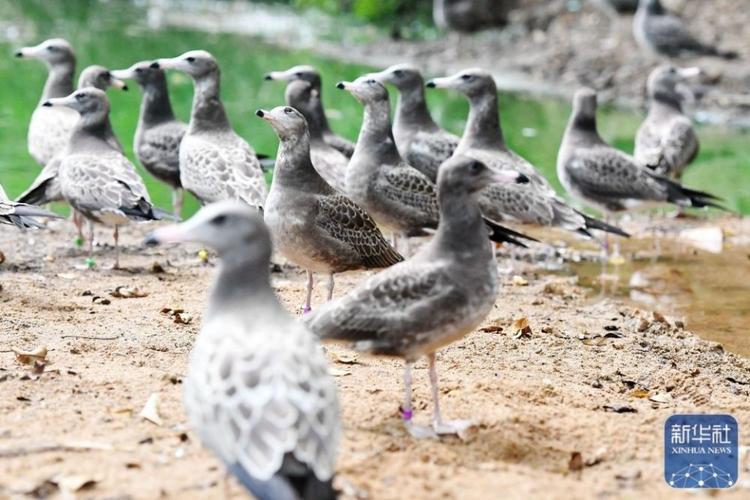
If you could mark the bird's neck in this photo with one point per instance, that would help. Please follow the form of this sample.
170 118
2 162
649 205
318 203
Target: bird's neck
667 100
582 128
483 125
156 106
92 131
376 134
411 108
59 81
461 229
208 111
242 284
293 168
319 115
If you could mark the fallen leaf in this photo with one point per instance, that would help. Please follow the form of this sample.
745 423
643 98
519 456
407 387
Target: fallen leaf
661 398
639 393
576 461
73 482
521 328
519 281
38 355
124 292
150 410
337 372
345 358
179 316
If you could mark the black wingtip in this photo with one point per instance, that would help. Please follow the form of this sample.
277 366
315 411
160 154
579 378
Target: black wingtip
592 223
151 240
501 234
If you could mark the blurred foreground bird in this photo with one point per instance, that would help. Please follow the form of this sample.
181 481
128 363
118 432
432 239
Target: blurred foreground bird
215 163
159 133
311 224
664 34
608 179
257 389
95 178
49 129
316 117
21 215
666 141
434 298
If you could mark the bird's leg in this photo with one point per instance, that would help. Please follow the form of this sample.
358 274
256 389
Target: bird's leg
330 286
117 247
416 431
438 424
394 240
90 260
177 201
78 223
308 299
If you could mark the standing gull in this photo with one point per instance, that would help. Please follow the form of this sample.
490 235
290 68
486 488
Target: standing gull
311 224
317 116
666 141
215 163
159 133
532 203
421 141
257 389
434 298
20 215
50 129
96 179
664 34
396 195
327 160
608 179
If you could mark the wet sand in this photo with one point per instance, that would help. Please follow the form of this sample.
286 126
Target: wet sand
594 376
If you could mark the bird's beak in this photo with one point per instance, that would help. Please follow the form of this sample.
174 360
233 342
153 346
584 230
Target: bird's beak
27 52
440 83
169 63
121 74
117 83
689 72
176 233
277 75
507 176
67 102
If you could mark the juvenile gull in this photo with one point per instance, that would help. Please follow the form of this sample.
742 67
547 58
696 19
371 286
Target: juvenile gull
96 179
396 195
317 117
49 128
159 133
666 141
434 298
608 179
215 163
46 187
532 203
20 215
257 389
664 34
421 141
312 225
327 160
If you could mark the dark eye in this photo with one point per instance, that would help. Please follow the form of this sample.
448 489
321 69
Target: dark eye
466 78
219 220
475 167
138 70
299 74
79 96
107 75
371 82
288 110
51 48
398 72
190 59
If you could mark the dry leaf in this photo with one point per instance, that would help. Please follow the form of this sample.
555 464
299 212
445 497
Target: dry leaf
70 483
493 328
38 355
124 292
519 281
345 358
521 328
661 398
639 393
576 461
179 316
150 410
337 372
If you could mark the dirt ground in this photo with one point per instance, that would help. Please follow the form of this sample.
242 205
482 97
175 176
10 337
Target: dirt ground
593 377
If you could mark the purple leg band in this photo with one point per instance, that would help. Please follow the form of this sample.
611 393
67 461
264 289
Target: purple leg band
406 414
306 310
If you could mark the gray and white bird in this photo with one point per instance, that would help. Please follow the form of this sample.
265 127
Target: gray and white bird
328 161
96 179
21 215
159 132
46 187
257 389
398 196
434 298
421 141
608 179
316 117
532 203
666 141
50 128
663 34
311 224
215 163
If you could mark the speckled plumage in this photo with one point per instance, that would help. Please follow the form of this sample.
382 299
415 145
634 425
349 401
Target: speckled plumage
666 141
20 215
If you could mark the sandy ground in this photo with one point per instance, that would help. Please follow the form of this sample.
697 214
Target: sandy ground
593 377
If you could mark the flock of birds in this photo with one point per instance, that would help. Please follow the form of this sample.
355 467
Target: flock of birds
258 390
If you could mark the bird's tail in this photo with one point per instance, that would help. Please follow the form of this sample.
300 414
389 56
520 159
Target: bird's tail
501 234
295 486
145 211
686 197
592 223
729 55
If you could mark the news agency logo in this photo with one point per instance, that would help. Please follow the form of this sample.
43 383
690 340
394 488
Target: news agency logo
701 451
